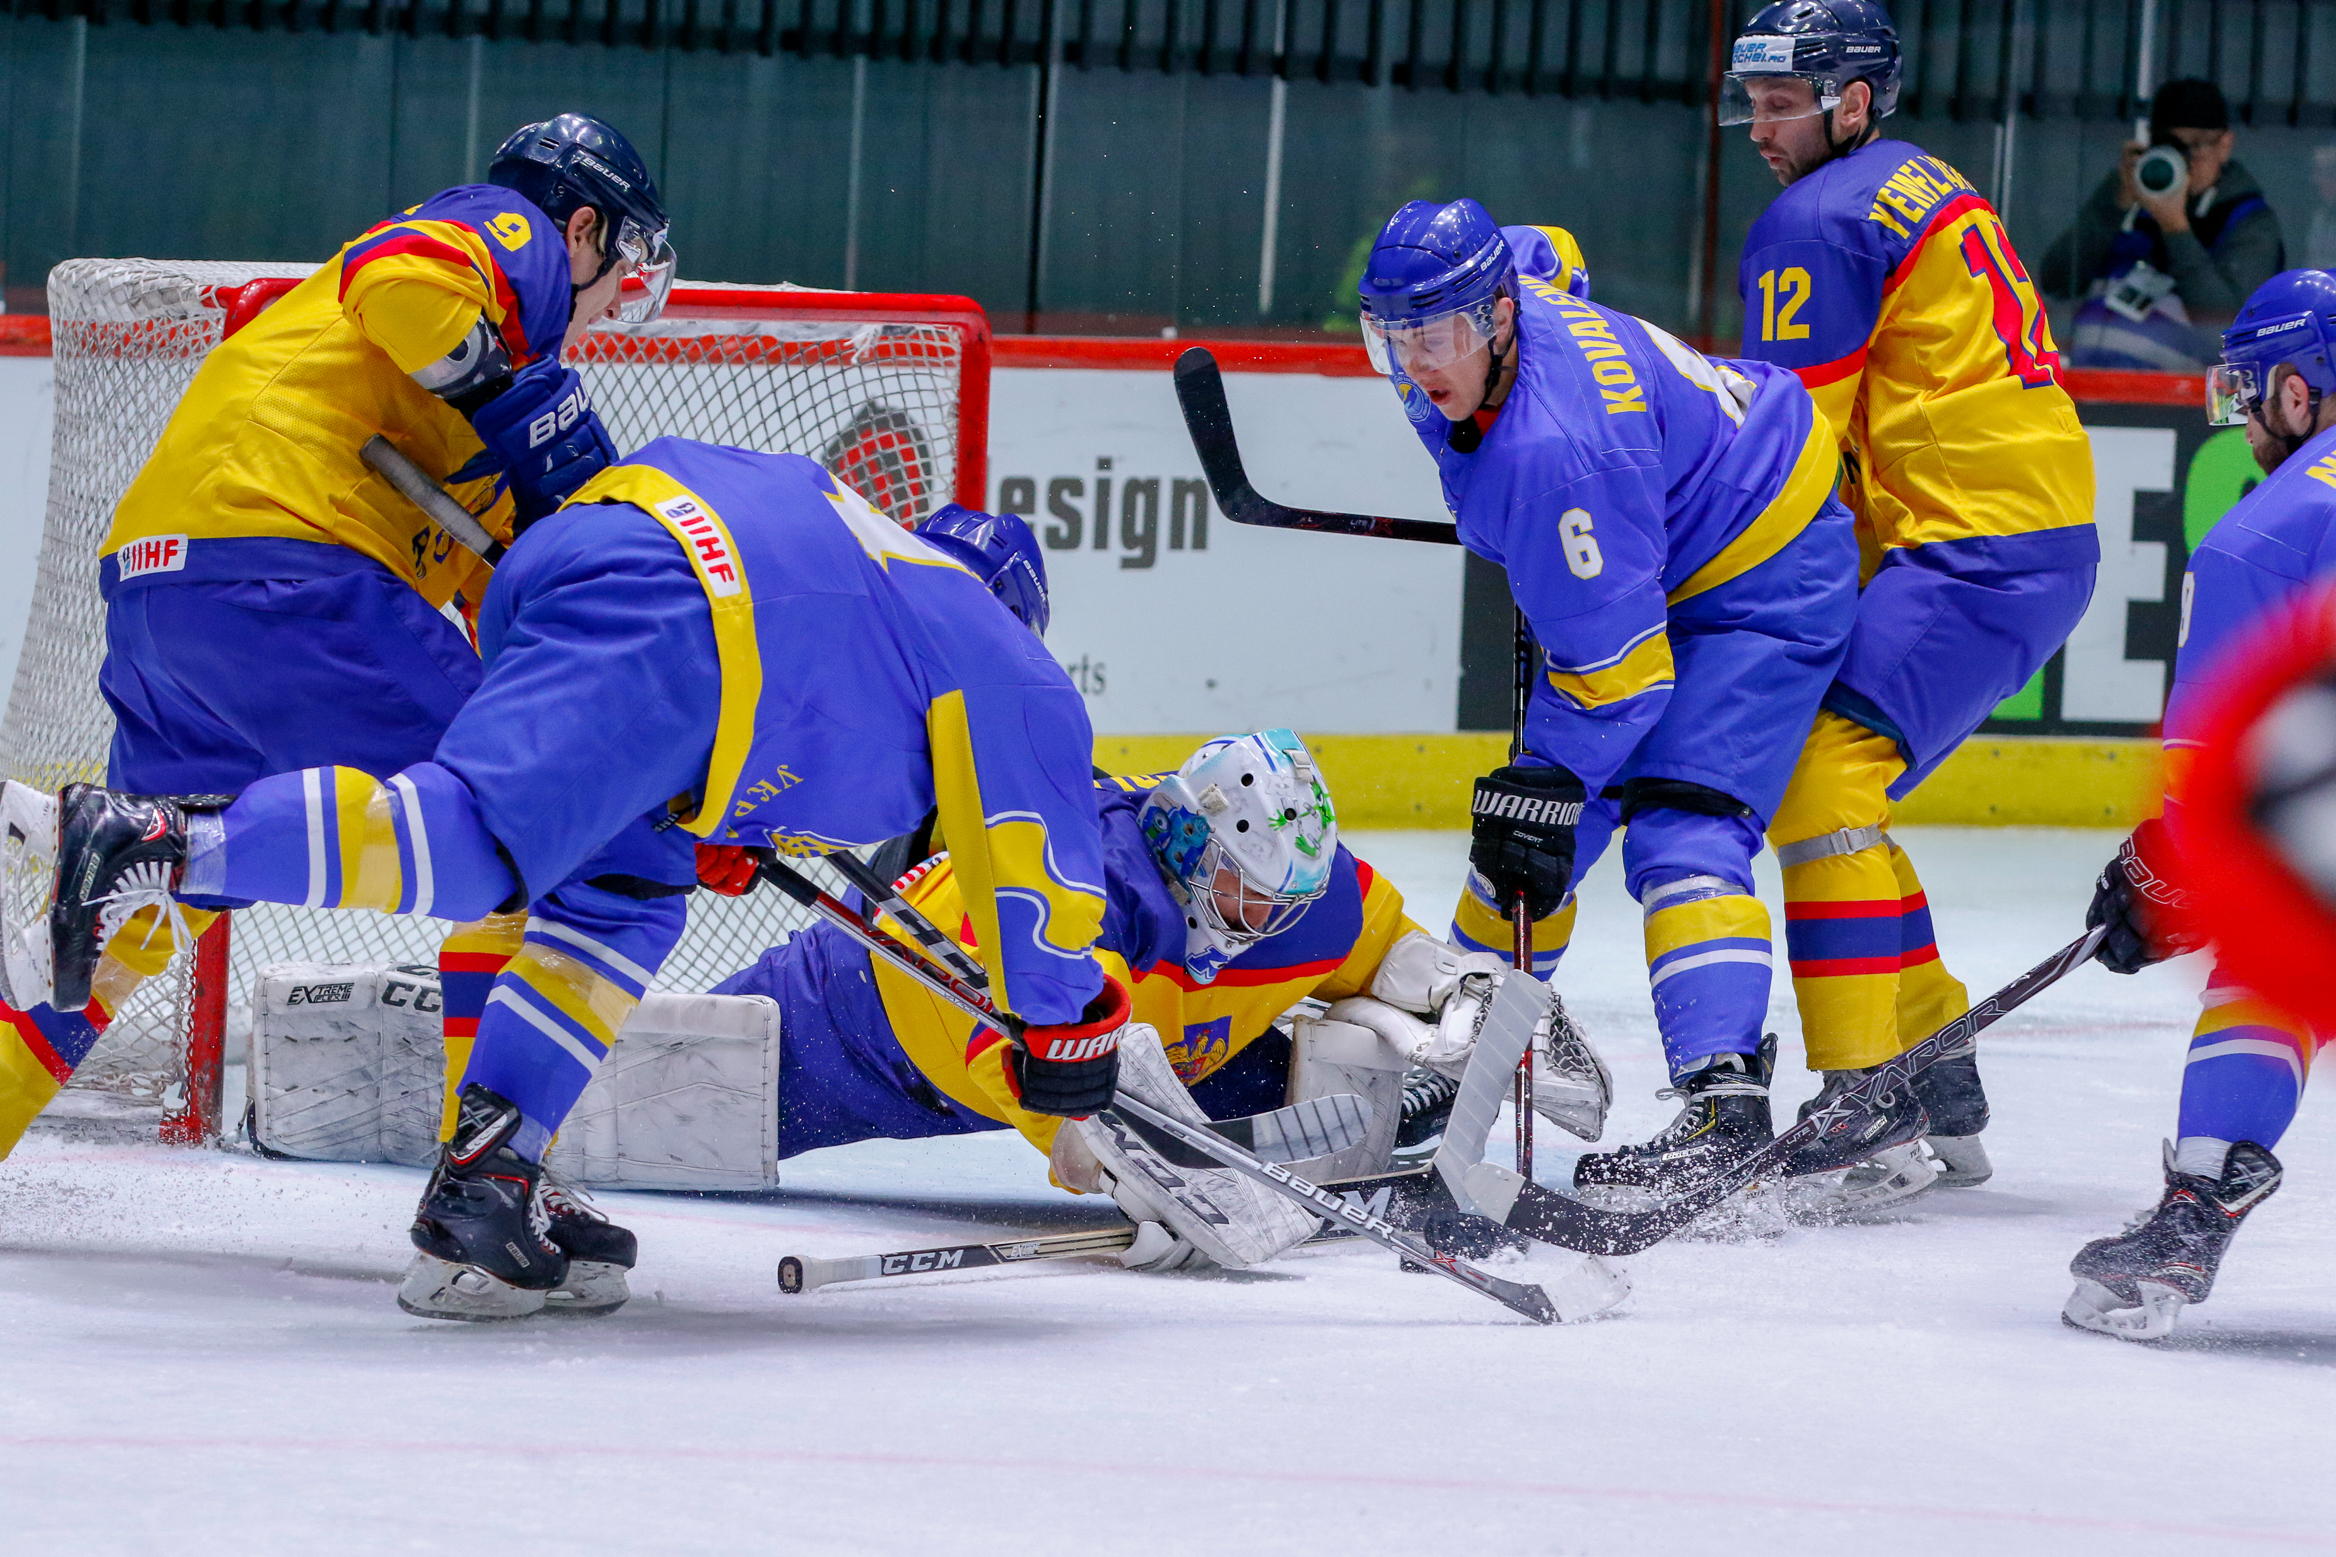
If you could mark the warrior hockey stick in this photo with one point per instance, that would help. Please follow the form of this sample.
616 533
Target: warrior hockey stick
1200 392
431 498
800 1273
1316 1127
1527 1300
1544 1214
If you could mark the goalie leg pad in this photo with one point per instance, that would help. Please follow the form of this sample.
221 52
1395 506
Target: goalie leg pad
1331 1056
1221 1217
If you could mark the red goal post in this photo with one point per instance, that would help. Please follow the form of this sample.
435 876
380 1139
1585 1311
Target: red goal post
888 390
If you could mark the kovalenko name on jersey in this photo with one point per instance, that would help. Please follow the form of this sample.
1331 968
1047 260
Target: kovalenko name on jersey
154 554
1913 192
1618 386
708 539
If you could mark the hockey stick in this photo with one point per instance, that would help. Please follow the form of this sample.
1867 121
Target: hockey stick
799 1273
1521 917
1200 393
1316 1127
418 489
887 900
1544 1214
1527 1300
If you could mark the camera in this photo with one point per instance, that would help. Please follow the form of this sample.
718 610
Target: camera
2163 170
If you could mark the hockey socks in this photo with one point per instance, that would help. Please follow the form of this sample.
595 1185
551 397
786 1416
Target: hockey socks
2246 1070
1709 962
338 838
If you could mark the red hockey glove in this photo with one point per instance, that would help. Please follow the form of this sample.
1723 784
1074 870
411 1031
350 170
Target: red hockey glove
1072 1069
727 868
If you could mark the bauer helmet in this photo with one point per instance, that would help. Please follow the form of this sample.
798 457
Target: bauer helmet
1431 283
1001 552
1245 835
565 164
2289 321
1827 43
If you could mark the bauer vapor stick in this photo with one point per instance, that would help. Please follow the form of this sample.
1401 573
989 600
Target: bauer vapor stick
1200 393
415 484
1221 1152
1316 1127
1541 1213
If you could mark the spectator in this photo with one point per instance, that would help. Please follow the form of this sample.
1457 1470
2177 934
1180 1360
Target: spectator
2320 240
2159 275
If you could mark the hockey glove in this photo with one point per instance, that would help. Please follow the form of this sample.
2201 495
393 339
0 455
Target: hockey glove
2149 918
1523 835
726 868
545 435
1071 1069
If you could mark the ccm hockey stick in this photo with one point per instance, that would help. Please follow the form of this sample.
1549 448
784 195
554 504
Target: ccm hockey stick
1314 1128
799 1273
1164 1130
1200 392
415 484
1528 1208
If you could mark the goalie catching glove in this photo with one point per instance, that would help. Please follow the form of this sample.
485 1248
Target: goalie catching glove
1187 1218
1422 977
1521 835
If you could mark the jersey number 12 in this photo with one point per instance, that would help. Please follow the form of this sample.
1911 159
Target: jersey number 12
1792 286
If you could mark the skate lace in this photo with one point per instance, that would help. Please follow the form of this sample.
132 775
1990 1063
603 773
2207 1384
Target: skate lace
562 1197
144 885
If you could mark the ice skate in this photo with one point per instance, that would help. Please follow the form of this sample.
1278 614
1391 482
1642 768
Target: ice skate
599 1253
1951 1092
2135 1285
483 1230
1892 1119
116 854
1883 1182
1724 1119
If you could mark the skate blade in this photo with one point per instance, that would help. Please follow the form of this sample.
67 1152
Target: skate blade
593 1288
440 1289
1962 1161
2094 1307
1880 1187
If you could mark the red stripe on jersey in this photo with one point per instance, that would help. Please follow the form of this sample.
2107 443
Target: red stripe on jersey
1919 955
1869 908
1833 372
1843 967
1939 218
1243 978
474 962
403 241
38 1045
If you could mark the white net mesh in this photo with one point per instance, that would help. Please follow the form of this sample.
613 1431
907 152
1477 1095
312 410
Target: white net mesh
877 403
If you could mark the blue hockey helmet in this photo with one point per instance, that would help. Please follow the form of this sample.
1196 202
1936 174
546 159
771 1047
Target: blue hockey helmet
2290 322
1430 285
1001 552
565 164
1827 43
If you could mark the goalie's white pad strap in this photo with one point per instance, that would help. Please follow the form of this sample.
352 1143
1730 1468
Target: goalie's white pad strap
1420 973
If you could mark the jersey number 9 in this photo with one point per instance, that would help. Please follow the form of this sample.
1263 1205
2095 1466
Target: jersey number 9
1581 547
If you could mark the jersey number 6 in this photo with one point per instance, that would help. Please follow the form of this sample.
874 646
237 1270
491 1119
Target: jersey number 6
1581 547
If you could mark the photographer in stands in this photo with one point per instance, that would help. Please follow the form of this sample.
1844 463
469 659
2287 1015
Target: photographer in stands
2165 249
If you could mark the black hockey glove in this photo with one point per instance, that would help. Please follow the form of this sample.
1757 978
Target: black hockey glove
1522 835
2149 918
1072 1069
545 435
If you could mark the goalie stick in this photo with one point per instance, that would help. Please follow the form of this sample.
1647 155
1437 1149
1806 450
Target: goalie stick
415 484
1200 393
1530 1301
1316 1127
1544 1214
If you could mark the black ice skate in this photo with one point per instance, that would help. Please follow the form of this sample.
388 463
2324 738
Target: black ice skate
599 1253
1427 1109
483 1230
1892 1119
116 854
1951 1093
2133 1286
1725 1120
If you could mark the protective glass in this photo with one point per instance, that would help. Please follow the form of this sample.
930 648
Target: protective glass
1772 99
1257 912
1423 345
2233 390
648 261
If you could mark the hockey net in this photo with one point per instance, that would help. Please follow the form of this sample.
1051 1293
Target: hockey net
889 391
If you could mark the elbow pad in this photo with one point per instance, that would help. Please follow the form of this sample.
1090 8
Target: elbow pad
475 372
545 435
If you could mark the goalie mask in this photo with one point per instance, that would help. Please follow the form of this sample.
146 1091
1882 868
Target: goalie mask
1245 835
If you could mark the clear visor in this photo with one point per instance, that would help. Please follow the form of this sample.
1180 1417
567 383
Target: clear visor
648 262
2233 390
1238 909
1772 99
1423 345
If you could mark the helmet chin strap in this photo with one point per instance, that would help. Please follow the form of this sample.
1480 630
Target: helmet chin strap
1464 435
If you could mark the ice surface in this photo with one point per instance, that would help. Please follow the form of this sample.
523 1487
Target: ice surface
202 1352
